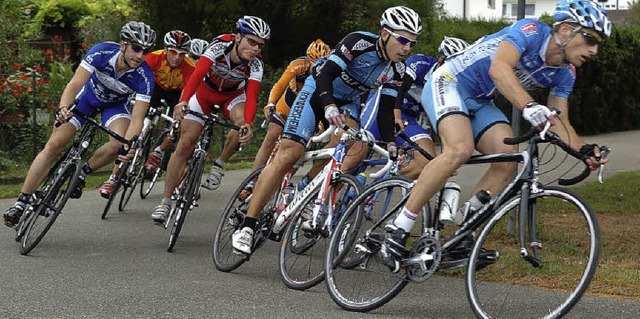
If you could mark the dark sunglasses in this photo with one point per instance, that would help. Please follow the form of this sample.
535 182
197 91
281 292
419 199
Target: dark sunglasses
137 49
590 39
402 39
254 43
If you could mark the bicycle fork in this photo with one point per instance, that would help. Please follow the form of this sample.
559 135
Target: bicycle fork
527 221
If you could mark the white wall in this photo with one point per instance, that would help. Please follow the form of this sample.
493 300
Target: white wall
475 9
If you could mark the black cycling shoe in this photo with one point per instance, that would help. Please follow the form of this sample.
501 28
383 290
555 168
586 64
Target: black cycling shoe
393 249
13 214
458 256
77 191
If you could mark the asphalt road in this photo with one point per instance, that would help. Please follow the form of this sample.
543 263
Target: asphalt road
119 268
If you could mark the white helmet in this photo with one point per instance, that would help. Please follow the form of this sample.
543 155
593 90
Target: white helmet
450 46
253 25
198 46
401 18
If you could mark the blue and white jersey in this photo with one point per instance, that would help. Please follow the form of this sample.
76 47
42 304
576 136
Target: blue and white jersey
106 85
419 66
363 67
531 38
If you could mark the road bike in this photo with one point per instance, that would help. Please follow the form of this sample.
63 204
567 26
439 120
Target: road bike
570 254
132 171
48 202
189 187
301 222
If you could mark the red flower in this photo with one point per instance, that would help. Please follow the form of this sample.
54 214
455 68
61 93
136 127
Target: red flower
48 52
38 69
67 51
57 38
40 82
17 65
84 45
29 89
16 94
24 77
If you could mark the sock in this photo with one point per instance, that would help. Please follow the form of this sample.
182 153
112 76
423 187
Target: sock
405 220
86 170
158 149
219 163
249 222
166 201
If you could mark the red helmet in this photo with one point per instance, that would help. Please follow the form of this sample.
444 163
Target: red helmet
177 39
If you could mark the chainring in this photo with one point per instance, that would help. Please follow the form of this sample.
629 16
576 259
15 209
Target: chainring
424 259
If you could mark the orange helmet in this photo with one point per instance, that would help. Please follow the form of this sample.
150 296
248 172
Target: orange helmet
316 50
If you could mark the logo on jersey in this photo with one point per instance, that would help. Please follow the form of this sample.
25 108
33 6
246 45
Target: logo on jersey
529 29
362 45
346 53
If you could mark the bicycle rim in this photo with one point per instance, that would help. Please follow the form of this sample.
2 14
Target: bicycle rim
121 174
186 198
147 176
569 233
48 209
359 280
222 253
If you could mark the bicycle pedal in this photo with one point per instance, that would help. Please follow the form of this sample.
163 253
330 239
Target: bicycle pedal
242 255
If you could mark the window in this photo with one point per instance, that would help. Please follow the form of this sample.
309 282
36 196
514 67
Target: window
529 10
491 4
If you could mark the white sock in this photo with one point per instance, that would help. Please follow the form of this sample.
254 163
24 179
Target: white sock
405 220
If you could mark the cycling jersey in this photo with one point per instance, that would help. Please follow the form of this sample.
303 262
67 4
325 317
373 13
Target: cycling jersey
107 90
223 78
354 67
284 92
531 38
419 66
105 85
462 84
166 77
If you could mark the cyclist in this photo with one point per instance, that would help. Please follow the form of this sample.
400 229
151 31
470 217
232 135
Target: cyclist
408 108
360 62
282 96
171 69
198 46
458 98
231 69
107 77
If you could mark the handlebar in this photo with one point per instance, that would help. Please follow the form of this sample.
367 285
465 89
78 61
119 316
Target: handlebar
550 137
118 137
210 119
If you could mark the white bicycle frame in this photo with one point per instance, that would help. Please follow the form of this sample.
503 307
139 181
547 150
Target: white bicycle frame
328 173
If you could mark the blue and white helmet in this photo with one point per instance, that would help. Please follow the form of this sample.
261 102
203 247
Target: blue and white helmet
450 46
198 46
586 13
253 25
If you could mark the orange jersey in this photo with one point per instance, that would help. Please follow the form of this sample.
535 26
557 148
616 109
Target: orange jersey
293 77
168 78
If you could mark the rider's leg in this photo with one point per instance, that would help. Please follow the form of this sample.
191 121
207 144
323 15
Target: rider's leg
273 132
189 133
499 174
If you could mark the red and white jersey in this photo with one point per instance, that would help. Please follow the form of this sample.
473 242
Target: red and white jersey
223 73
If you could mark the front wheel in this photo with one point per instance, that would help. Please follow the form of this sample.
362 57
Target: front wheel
134 174
568 233
120 179
54 196
356 277
187 197
302 249
149 178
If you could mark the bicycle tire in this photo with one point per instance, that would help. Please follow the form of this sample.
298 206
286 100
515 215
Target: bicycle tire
132 178
567 227
224 259
147 176
119 180
300 260
49 207
187 197
371 282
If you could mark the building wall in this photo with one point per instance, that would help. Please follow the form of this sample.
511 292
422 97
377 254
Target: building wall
475 9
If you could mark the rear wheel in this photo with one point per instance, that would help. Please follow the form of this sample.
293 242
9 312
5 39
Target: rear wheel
356 277
302 249
120 179
47 208
567 231
134 174
149 178
222 251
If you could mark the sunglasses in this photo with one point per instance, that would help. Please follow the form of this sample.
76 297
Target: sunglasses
254 43
176 52
402 39
137 49
590 39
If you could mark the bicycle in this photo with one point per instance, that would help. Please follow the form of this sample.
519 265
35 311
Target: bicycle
47 203
130 172
151 177
353 289
189 187
282 218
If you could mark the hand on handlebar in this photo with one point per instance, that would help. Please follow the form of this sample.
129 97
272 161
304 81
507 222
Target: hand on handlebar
245 133
333 115
180 110
63 115
596 155
393 150
125 153
537 115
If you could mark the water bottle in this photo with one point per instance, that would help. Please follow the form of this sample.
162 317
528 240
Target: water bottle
472 205
448 202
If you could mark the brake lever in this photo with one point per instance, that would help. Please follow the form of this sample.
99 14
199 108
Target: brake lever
604 152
